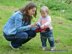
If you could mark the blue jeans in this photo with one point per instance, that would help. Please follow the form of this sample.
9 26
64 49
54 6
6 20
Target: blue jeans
47 35
20 38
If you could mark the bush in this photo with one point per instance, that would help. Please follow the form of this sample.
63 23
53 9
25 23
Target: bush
55 5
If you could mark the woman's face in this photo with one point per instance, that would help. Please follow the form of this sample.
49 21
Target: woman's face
32 11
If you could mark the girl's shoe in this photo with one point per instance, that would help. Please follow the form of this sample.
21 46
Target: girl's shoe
52 48
43 48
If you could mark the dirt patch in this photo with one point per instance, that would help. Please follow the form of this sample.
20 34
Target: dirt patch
7 7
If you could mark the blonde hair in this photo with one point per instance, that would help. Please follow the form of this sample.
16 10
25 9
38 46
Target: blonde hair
44 8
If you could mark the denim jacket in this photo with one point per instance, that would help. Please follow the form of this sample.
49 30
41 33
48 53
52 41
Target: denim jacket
15 24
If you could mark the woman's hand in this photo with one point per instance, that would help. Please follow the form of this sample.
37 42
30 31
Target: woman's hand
33 25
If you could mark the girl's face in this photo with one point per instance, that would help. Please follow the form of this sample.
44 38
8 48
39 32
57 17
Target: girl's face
43 13
32 11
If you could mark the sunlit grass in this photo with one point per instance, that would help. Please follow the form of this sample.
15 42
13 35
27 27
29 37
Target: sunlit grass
62 30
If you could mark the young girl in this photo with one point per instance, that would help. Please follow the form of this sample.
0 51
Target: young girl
45 28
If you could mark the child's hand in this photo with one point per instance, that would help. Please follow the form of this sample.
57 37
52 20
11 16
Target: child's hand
42 27
45 26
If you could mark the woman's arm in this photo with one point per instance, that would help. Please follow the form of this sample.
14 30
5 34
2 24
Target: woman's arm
38 22
18 24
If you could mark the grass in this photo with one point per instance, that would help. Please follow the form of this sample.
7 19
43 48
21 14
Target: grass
62 25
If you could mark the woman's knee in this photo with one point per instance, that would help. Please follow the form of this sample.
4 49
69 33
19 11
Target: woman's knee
9 38
32 34
21 35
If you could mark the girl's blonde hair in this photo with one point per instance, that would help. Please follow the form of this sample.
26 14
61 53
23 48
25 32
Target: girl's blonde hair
44 8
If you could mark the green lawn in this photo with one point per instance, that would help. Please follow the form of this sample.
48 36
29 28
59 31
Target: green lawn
62 24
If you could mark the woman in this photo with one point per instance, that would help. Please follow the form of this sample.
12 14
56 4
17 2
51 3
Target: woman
18 29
